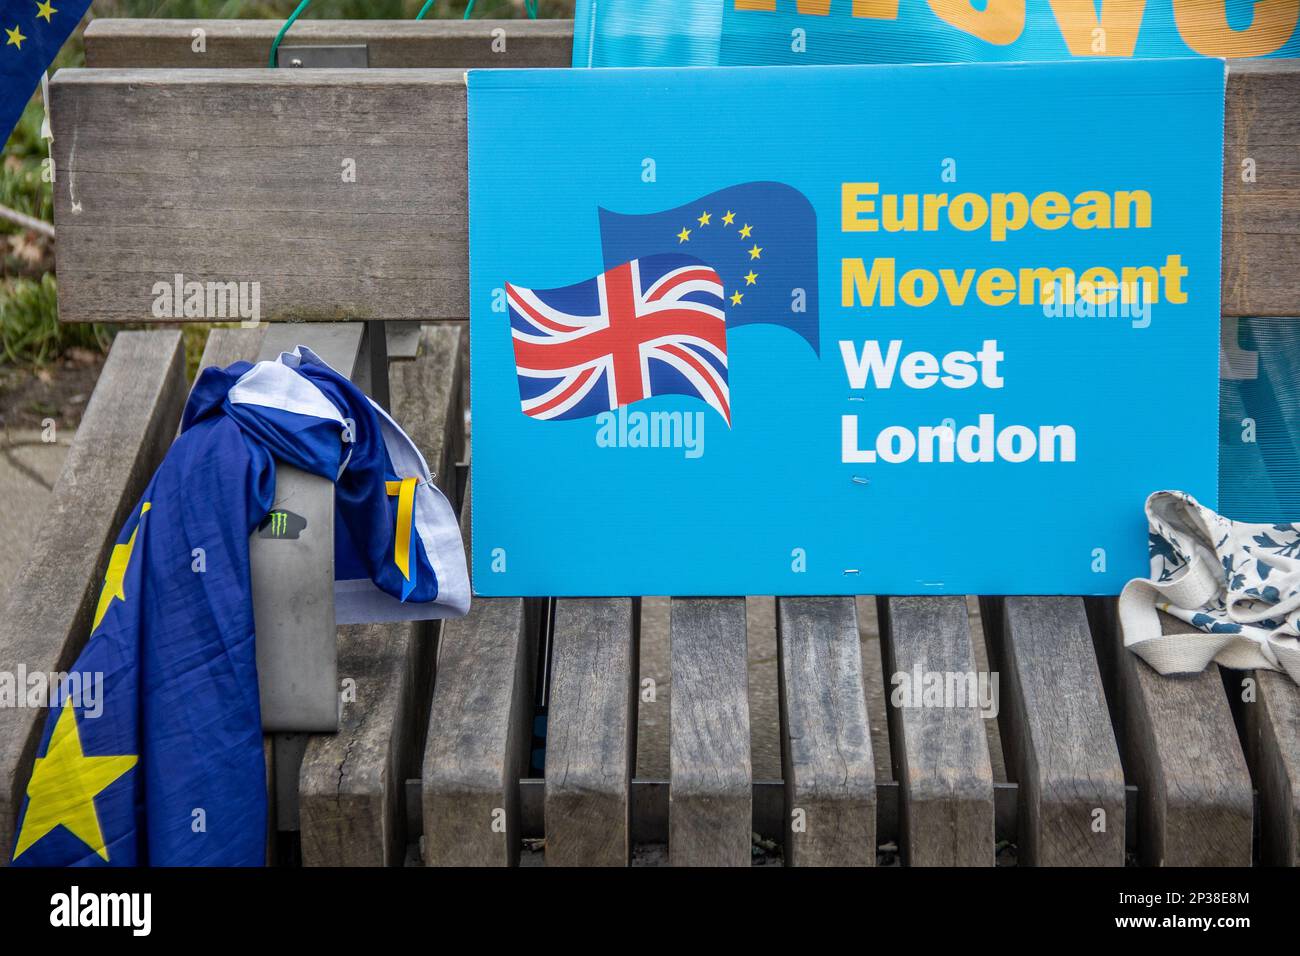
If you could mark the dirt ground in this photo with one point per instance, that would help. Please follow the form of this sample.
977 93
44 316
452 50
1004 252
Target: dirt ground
28 398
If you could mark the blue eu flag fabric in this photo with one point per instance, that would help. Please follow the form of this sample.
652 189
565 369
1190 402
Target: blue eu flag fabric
761 239
152 753
33 33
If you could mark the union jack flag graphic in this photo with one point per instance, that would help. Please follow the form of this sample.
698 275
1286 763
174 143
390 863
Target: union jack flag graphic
651 326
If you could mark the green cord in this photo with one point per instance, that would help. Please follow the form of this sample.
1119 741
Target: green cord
529 5
285 29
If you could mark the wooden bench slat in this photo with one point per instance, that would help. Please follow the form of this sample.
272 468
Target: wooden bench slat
710 816
827 761
591 732
1273 751
941 755
1181 750
351 786
1061 745
199 172
127 428
159 44
479 731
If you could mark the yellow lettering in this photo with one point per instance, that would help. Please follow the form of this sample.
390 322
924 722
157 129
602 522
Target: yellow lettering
889 213
1140 201
996 287
1098 285
1048 281
1092 210
933 203
1119 23
956 292
1050 210
1203 25
1135 277
968 212
855 279
1174 272
1000 22
853 206
1010 210
929 287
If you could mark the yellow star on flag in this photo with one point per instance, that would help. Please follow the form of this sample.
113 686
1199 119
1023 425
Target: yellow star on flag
45 10
64 785
751 278
746 230
115 576
683 236
756 252
729 219
736 297
15 38
705 218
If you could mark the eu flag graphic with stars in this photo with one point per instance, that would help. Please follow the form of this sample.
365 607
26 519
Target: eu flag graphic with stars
152 751
760 237
33 33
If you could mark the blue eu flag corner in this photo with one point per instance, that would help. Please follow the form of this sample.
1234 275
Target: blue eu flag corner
760 237
31 34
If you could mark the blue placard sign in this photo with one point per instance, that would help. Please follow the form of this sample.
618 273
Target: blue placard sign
832 330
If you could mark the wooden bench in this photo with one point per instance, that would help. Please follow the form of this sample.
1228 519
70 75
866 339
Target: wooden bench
1103 757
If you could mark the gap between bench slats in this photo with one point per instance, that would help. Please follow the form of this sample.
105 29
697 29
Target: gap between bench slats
127 428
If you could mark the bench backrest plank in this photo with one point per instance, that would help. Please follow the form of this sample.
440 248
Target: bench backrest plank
162 43
236 175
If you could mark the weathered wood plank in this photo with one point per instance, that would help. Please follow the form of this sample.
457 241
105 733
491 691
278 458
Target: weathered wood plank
128 427
591 732
710 813
1273 752
203 172
389 246
478 739
159 44
1261 217
1061 746
351 787
1181 750
941 756
827 762
225 346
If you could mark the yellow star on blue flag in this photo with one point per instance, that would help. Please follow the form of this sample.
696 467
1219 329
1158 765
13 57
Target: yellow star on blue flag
34 32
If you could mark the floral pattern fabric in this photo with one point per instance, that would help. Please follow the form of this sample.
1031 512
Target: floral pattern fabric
1237 585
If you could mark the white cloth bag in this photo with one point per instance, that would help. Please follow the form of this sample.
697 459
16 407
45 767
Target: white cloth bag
1236 584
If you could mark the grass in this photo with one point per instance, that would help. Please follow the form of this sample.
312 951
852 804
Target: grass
30 334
